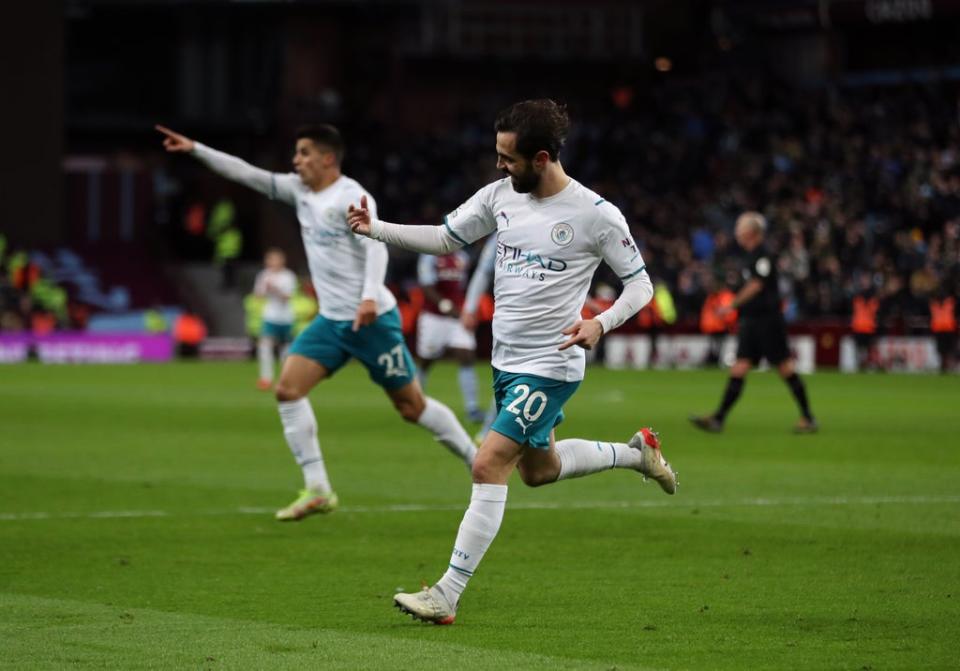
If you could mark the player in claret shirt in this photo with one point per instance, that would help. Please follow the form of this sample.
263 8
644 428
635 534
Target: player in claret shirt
358 314
439 331
552 233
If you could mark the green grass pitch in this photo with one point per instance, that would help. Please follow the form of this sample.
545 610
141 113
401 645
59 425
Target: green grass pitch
136 530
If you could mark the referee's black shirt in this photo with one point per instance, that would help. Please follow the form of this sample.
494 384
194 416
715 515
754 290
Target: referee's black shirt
762 266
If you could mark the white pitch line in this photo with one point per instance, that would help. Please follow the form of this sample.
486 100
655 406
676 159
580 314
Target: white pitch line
565 505
97 514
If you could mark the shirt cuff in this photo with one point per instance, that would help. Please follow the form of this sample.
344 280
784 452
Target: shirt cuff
604 318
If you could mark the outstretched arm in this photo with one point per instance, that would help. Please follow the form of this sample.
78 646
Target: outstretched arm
423 239
272 185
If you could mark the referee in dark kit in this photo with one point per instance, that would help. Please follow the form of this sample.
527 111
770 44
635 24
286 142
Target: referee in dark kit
763 332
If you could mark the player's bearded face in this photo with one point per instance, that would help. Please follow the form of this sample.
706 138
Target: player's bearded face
523 177
521 171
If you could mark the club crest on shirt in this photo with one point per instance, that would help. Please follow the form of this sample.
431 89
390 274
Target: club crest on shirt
562 234
332 215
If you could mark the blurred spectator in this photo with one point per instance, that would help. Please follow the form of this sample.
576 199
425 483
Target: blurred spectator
188 332
714 321
28 300
227 240
865 307
943 325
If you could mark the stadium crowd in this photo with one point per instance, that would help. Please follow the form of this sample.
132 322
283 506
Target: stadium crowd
29 301
861 186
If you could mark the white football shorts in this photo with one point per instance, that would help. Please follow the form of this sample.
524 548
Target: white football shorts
435 334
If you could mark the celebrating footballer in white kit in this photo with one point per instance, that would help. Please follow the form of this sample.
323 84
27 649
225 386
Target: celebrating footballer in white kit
358 314
552 233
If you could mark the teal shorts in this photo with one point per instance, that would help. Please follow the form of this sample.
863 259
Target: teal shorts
529 406
279 332
380 347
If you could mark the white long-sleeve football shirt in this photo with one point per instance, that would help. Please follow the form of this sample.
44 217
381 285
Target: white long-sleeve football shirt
345 268
547 252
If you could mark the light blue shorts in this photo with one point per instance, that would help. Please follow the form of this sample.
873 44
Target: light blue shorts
279 332
380 347
529 406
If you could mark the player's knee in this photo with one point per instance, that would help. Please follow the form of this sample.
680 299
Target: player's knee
410 409
535 476
410 413
479 471
485 470
286 392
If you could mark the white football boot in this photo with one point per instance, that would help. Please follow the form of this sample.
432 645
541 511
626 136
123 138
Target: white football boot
652 463
428 605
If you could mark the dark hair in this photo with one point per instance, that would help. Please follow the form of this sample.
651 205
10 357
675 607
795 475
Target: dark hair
326 135
540 125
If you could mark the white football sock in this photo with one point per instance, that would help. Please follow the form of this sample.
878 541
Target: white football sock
439 420
467 377
265 357
477 530
300 430
582 457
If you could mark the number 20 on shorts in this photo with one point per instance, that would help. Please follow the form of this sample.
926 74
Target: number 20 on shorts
533 404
